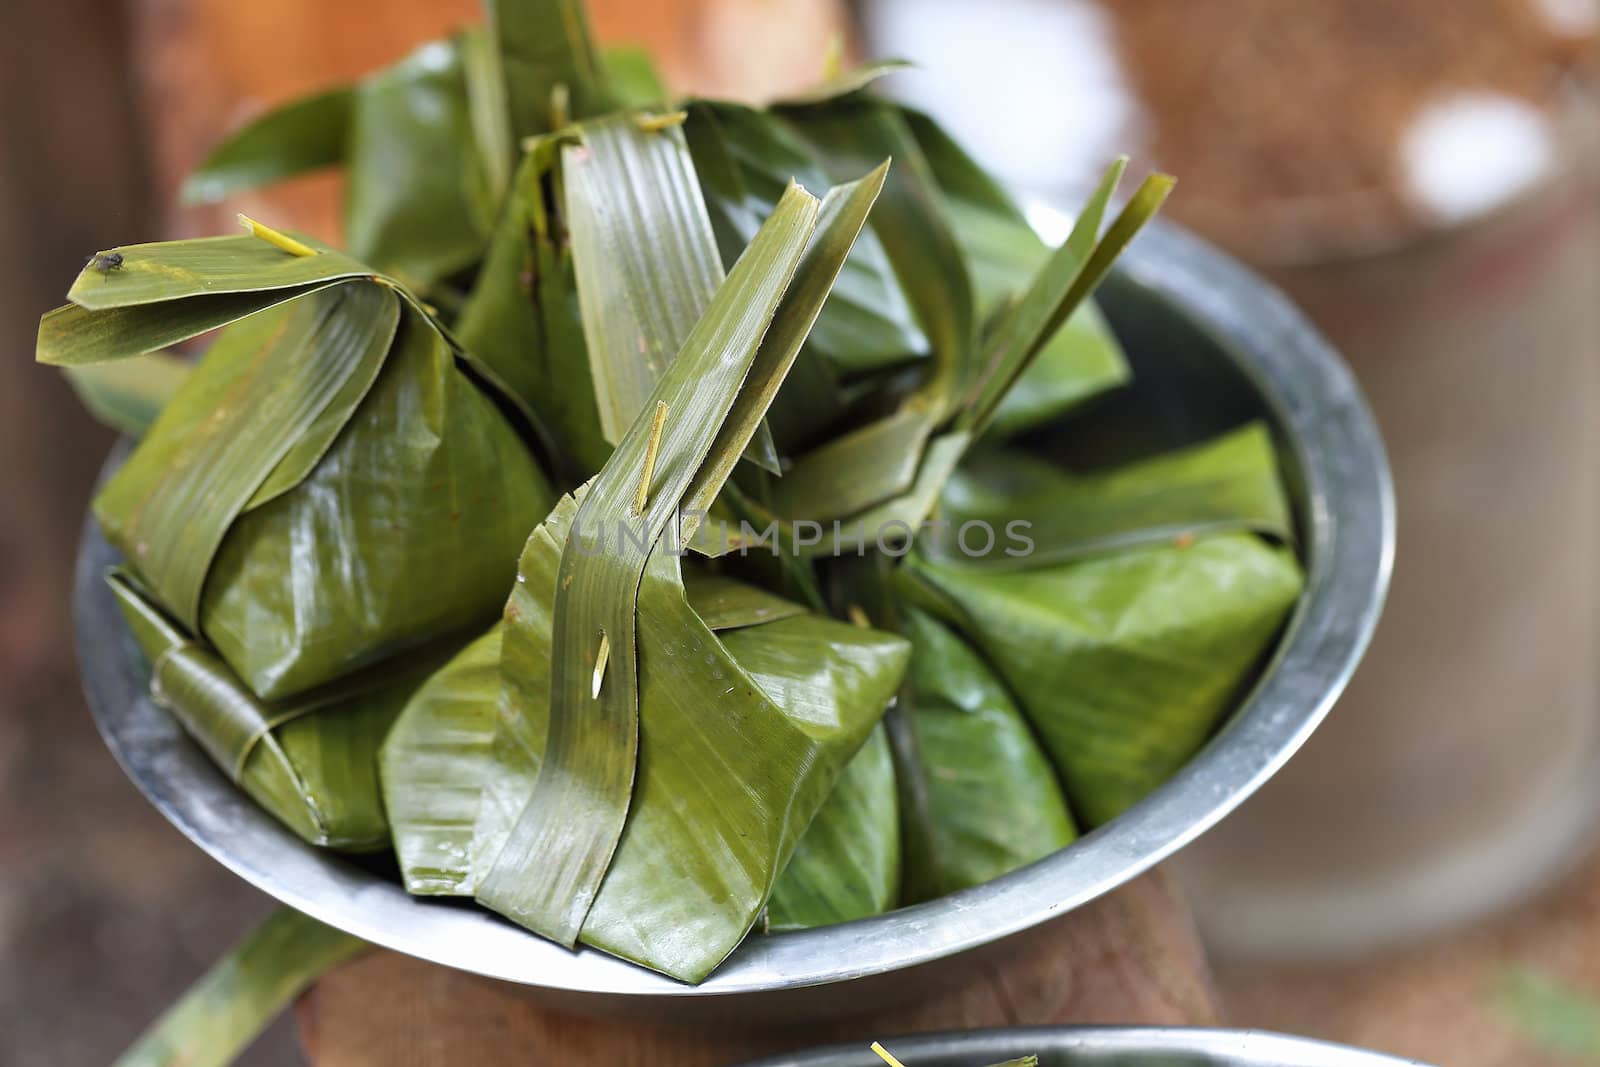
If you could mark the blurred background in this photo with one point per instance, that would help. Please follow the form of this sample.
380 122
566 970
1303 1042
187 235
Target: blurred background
1419 174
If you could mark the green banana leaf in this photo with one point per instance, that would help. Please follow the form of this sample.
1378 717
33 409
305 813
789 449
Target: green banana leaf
742 736
987 797
128 395
433 765
745 158
439 752
916 237
325 451
312 761
838 83
855 470
1003 252
304 135
573 819
644 256
552 69
522 319
1124 663
1230 483
420 200
223 1012
912 223
665 870
415 512
425 145
634 80
551 866
847 866
1069 276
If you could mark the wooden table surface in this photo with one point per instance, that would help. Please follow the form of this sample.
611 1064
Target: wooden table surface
1130 957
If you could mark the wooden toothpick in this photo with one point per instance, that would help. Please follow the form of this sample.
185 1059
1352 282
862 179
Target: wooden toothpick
641 496
600 659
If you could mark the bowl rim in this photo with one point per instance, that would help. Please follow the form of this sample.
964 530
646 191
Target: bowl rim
1233 1047
1349 538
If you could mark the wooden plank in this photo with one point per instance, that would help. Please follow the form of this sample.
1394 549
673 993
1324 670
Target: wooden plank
1130 957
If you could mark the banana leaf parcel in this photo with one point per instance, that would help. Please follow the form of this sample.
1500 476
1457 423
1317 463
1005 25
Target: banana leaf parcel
1146 598
659 841
328 489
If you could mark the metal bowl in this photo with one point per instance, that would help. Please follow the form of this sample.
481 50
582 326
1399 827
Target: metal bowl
1100 1046
1211 346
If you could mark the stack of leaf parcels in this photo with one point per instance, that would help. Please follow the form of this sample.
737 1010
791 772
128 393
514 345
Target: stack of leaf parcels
564 537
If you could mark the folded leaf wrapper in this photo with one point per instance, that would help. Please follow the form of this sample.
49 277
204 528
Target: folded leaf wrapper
311 762
742 735
330 486
330 489
985 799
847 866
1124 663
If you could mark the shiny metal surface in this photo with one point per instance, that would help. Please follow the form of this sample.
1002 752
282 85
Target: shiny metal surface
1211 344
1100 1046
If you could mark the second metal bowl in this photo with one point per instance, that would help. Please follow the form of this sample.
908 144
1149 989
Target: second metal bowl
1100 1046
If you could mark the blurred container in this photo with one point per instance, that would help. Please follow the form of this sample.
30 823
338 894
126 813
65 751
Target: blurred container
1459 771
1420 176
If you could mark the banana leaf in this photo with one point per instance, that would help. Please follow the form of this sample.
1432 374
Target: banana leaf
742 736
847 866
325 451
912 223
552 69
426 150
574 817
868 324
303 135
634 80
1124 663
128 395
591 303
987 797
886 483
1003 252
645 259
522 319
433 764
439 752
1230 483
1067 278
837 82
223 1012
311 761
420 197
